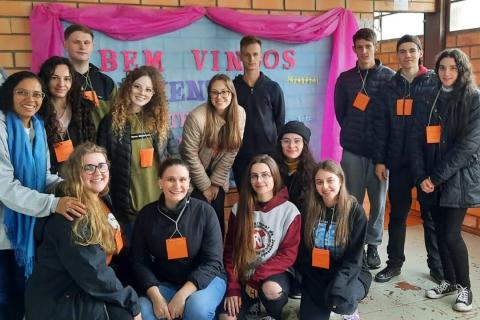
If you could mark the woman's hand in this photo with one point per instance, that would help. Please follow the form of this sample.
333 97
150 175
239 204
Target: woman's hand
252 293
138 317
381 172
232 305
211 193
427 185
70 208
177 305
160 308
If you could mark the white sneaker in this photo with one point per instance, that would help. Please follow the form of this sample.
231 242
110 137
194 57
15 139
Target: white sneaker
464 300
442 290
353 316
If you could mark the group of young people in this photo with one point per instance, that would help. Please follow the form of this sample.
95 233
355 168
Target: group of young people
97 197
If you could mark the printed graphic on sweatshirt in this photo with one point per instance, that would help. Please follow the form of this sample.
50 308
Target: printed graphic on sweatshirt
263 238
325 238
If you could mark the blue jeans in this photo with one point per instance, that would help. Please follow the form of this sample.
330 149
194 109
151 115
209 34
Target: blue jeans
201 305
12 287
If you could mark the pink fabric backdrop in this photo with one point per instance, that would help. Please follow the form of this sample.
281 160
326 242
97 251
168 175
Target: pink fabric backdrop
132 23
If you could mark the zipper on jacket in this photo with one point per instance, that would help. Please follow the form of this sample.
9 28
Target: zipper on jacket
251 90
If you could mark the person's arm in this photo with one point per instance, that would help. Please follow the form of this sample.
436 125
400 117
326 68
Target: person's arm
88 268
233 282
283 259
190 148
348 272
340 100
417 140
278 107
211 251
463 149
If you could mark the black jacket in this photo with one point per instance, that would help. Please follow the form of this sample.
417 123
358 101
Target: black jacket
356 134
453 165
119 150
334 286
264 105
392 130
70 281
148 255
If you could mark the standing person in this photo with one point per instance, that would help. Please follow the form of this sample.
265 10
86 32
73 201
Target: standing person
334 268
408 91
446 166
95 85
262 243
353 91
67 115
296 163
212 135
137 138
177 251
24 177
264 104
73 257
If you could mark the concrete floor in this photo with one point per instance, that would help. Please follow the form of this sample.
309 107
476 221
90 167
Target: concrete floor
403 298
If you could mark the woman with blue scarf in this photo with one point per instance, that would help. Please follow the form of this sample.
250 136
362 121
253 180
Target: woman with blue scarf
24 180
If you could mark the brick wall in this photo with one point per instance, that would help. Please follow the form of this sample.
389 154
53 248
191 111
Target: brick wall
15 49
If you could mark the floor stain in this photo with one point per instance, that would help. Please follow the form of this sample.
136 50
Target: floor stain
404 286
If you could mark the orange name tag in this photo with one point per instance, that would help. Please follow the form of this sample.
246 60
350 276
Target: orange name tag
433 134
118 240
177 248
407 107
361 101
92 96
321 258
63 150
146 157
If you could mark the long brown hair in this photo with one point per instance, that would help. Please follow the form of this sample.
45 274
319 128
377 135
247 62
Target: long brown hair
229 137
243 247
92 228
155 112
316 208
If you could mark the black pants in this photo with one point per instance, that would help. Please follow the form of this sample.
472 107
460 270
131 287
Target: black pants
12 287
453 251
274 307
400 195
218 205
309 310
116 312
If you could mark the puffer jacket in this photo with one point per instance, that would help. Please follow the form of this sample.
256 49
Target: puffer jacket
356 133
392 130
453 165
119 150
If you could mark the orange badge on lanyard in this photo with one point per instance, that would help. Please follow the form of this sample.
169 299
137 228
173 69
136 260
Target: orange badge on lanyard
177 248
433 134
361 101
63 149
92 96
321 258
146 157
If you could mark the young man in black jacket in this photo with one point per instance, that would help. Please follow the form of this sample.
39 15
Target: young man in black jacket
406 92
264 104
354 91
96 86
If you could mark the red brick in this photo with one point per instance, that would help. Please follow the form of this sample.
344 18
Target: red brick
300 4
23 59
254 11
235 3
451 41
393 58
360 6
383 57
475 52
173 3
268 4
284 13
5 25
475 65
121 1
15 8
20 25
312 13
468 38
329 4
6 60
388 46
15 42
201 3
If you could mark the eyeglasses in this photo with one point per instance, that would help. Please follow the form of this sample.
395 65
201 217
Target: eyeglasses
264 176
91 168
148 91
24 93
58 78
223 94
287 142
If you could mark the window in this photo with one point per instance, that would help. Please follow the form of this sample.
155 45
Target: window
464 14
393 25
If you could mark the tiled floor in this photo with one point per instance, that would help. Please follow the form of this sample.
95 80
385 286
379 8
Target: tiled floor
403 298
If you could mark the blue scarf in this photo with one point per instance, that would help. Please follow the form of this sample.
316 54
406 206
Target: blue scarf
29 163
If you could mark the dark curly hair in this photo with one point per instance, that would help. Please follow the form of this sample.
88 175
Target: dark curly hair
6 90
81 108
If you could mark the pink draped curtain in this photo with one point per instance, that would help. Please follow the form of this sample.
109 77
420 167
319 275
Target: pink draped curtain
132 23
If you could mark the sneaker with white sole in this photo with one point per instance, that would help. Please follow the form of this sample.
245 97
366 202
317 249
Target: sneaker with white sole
353 316
464 300
442 290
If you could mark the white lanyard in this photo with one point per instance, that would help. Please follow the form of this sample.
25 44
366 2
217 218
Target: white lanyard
174 221
364 80
433 106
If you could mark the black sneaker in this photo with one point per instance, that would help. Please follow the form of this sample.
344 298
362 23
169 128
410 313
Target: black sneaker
373 259
387 274
295 290
436 276
464 300
442 290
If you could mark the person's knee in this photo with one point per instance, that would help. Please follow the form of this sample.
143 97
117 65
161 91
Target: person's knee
453 239
225 316
271 290
198 307
146 307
